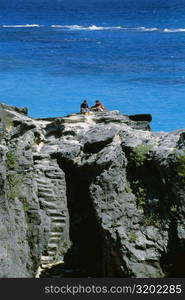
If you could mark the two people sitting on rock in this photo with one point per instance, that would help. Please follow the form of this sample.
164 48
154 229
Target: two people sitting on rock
84 107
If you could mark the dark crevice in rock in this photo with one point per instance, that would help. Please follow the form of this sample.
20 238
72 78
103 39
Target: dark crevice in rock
173 262
97 146
113 264
85 253
54 129
84 258
22 129
141 117
146 184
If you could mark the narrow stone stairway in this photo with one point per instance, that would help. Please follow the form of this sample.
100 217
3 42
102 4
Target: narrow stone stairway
55 209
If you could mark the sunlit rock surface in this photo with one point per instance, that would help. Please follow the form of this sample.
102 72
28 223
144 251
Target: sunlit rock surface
96 195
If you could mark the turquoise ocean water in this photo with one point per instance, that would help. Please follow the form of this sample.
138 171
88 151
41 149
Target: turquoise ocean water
129 54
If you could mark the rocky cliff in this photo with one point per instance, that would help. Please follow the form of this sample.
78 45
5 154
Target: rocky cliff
97 195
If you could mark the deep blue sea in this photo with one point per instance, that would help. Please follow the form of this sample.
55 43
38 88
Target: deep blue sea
130 54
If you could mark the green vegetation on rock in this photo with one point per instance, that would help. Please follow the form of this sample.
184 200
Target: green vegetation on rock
180 168
173 208
15 182
140 192
141 197
11 160
132 237
151 220
139 154
26 206
15 177
128 188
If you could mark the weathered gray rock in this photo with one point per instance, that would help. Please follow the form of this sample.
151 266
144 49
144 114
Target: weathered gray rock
98 194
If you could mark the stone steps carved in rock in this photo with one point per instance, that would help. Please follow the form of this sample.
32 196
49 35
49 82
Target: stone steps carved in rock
56 227
42 189
43 181
58 219
50 202
46 196
54 239
51 253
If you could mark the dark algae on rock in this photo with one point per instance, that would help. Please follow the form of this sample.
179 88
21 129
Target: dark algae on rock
97 195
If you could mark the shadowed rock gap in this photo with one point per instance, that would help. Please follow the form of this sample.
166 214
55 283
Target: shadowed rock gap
85 253
146 184
84 258
173 262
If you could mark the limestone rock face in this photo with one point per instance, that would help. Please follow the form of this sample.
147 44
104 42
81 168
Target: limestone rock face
91 195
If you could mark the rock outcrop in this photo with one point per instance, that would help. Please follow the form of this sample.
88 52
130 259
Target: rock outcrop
90 195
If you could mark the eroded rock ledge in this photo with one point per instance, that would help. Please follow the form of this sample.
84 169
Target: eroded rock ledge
96 195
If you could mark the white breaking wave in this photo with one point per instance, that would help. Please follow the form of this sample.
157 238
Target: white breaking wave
146 29
92 27
68 26
174 30
160 29
26 25
96 28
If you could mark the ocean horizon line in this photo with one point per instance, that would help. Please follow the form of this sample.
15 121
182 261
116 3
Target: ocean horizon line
95 27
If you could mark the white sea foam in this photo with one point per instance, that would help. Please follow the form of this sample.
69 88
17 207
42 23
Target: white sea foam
92 27
68 26
96 28
174 30
26 25
146 29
